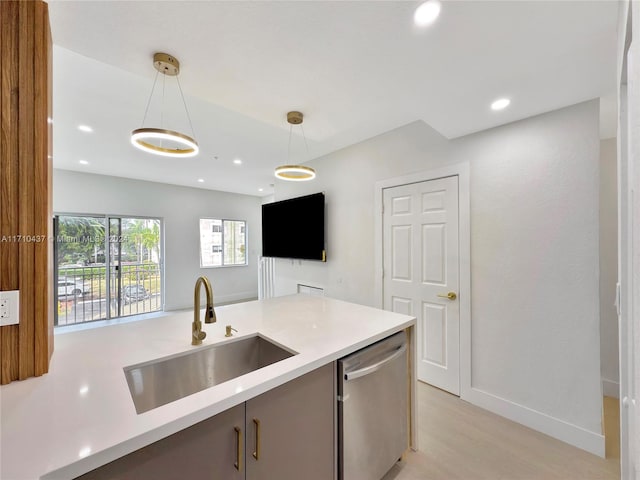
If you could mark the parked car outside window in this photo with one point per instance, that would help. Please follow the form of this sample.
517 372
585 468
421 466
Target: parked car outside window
134 293
69 288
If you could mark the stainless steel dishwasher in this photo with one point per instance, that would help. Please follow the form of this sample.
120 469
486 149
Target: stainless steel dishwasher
372 409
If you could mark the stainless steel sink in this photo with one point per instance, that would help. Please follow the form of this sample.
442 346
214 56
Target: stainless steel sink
162 381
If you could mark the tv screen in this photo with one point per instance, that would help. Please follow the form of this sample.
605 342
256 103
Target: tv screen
294 228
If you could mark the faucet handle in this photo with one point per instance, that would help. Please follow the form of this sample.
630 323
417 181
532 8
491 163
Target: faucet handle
228 329
198 337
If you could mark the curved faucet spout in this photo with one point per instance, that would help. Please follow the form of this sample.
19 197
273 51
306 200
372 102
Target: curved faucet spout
197 335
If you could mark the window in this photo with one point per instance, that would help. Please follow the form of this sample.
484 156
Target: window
106 267
222 242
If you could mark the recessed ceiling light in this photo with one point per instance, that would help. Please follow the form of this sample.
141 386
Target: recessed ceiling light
85 128
426 13
201 180
237 161
83 162
261 189
500 104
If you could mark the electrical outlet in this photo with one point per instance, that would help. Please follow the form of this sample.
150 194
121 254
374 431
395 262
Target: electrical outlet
4 308
10 308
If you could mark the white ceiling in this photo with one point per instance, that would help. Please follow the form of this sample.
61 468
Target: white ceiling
354 68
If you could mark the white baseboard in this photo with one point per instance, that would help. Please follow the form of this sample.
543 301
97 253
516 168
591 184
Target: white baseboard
610 388
572 434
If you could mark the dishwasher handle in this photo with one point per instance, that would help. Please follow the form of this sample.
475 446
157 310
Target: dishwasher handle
376 366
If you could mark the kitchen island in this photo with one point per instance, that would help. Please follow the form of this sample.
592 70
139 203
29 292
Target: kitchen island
81 416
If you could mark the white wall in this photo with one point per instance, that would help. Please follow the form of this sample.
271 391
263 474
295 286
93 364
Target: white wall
534 256
180 209
609 361
534 266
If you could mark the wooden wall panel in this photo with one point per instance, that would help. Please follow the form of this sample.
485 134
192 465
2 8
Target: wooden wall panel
9 171
43 211
50 243
26 190
2 29
25 186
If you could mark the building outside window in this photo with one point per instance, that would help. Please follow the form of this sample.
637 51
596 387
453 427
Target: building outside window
223 243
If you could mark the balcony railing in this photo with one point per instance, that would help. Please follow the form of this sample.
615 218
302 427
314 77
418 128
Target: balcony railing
81 292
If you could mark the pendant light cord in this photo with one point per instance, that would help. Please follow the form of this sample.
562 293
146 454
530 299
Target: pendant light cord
150 96
289 146
146 111
164 83
306 145
193 133
305 142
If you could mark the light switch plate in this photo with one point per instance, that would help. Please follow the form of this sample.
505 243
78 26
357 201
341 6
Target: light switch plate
10 307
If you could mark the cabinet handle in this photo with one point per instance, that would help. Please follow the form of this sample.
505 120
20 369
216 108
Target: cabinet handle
238 462
256 453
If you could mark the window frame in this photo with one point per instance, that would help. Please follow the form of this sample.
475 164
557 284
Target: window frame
222 234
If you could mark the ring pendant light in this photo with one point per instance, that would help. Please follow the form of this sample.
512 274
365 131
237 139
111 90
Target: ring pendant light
295 173
153 140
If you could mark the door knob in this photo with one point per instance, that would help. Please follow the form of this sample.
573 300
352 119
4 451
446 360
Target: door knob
450 296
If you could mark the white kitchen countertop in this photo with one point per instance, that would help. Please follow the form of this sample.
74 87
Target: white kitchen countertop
80 415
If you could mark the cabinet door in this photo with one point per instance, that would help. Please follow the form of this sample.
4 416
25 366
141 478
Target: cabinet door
290 429
207 451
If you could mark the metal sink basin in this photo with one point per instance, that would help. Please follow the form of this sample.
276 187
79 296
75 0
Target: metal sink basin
162 381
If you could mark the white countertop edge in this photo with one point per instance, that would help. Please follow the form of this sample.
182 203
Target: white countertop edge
100 458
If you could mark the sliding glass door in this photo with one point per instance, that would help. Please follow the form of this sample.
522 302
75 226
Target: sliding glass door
106 267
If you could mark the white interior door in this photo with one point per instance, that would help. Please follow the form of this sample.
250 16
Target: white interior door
421 274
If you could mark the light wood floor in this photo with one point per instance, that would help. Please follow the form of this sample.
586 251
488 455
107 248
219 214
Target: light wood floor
459 441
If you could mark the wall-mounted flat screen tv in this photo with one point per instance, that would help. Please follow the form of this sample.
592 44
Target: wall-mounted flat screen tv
294 228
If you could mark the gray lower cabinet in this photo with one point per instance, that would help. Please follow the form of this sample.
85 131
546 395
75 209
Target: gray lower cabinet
285 433
206 450
290 430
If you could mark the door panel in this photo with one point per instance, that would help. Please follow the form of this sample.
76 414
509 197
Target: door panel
401 305
401 205
434 265
79 272
420 266
401 252
435 334
433 201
